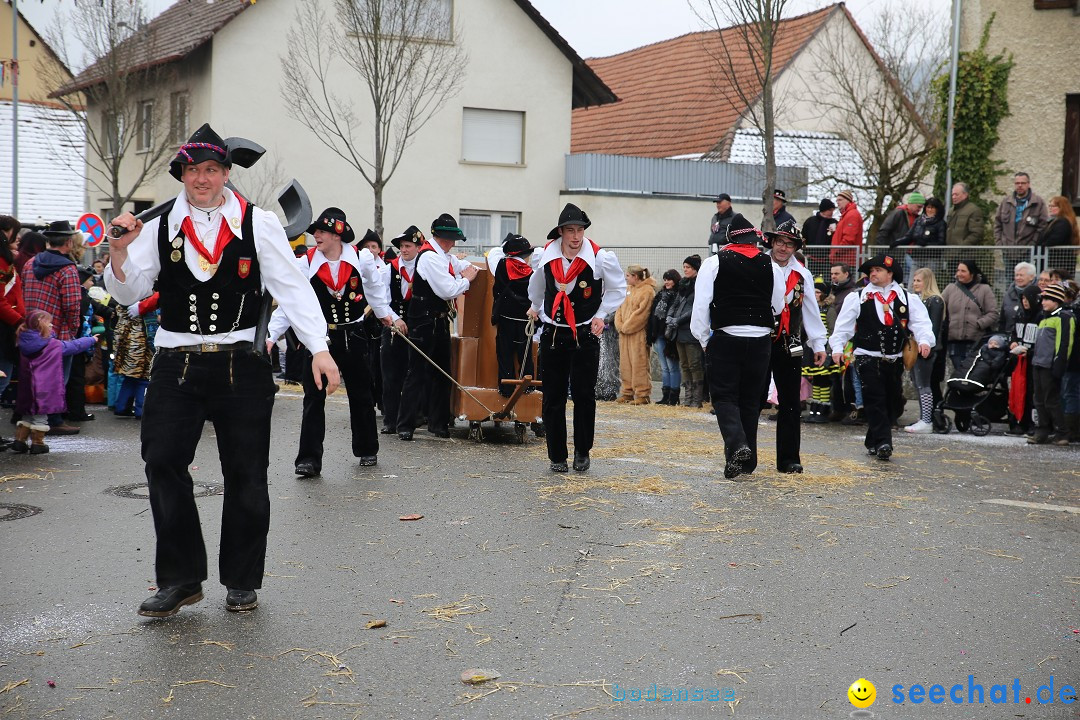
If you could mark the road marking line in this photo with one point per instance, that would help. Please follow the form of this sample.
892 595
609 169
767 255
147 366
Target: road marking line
1035 506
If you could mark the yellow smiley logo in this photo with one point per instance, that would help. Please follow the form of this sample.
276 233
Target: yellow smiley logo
862 693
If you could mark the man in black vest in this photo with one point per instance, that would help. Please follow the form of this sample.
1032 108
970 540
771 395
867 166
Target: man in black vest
879 318
395 351
738 293
800 312
510 307
346 284
212 255
580 285
439 279
373 327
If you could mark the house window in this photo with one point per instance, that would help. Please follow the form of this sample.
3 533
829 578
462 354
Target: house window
144 139
179 115
112 126
493 136
1070 177
484 229
426 19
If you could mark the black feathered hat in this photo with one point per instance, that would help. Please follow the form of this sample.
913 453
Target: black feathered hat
787 230
570 215
204 144
887 262
445 227
371 236
412 234
332 220
741 230
516 246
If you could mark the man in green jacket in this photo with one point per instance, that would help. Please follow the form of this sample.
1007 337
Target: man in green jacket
966 224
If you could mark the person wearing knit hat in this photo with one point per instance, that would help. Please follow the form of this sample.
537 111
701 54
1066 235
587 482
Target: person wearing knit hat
691 358
1055 342
899 221
818 228
739 292
849 230
879 319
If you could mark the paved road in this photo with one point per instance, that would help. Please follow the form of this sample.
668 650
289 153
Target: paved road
773 595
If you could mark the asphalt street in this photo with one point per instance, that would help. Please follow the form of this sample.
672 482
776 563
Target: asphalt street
581 595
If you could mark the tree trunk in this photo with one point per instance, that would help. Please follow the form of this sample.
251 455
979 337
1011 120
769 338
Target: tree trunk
768 222
377 187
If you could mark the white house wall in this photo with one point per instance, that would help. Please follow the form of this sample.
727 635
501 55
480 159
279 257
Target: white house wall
51 184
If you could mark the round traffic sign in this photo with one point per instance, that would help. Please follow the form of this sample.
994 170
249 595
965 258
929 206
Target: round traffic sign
93 227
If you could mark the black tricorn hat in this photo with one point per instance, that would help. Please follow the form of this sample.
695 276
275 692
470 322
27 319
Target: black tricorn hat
204 144
371 236
412 234
516 245
787 230
570 215
741 230
446 227
58 228
332 220
888 262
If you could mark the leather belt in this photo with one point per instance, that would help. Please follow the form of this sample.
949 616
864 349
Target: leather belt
342 326
208 348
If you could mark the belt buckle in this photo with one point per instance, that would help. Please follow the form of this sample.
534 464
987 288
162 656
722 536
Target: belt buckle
208 347
331 326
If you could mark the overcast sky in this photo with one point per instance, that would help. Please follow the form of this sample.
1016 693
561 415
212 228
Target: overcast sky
594 28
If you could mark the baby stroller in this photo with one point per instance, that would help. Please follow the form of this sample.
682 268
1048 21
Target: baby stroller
978 395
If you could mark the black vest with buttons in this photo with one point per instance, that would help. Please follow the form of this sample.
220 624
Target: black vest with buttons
585 296
873 335
344 310
742 291
397 299
425 303
228 301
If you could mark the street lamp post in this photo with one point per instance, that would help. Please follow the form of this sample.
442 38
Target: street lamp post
15 108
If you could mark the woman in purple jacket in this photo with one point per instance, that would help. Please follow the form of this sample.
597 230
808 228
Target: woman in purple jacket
41 379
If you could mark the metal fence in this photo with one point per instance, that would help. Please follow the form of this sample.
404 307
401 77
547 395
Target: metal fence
996 263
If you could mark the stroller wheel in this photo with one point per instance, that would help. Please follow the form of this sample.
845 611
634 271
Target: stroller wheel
942 423
980 426
963 422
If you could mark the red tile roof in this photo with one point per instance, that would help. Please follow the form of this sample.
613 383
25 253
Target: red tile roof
676 95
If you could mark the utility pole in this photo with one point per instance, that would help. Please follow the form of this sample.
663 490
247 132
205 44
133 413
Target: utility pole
15 108
953 70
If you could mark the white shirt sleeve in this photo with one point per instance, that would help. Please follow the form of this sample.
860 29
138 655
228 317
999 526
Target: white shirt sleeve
919 321
701 319
811 315
844 328
779 284
537 288
614 283
375 288
141 268
434 268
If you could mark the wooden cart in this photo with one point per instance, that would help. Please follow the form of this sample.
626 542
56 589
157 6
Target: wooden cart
474 366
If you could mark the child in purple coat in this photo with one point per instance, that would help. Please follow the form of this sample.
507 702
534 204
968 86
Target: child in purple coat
41 379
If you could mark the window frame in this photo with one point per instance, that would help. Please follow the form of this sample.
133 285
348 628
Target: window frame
179 134
144 126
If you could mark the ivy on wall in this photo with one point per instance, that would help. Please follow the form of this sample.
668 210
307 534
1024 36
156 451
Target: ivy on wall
981 104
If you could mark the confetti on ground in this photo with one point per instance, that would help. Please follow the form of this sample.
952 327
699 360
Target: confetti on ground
476 676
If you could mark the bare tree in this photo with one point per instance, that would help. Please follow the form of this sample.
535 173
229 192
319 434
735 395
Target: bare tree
748 32
408 59
878 103
118 88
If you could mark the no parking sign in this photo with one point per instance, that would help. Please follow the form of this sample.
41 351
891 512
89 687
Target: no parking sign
93 227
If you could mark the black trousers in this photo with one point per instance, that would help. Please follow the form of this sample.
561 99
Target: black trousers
76 385
349 351
1046 397
394 359
234 391
787 374
510 344
425 387
882 387
374 361
569 368
738 377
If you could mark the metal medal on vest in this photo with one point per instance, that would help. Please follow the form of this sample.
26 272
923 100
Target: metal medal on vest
175 255
207 266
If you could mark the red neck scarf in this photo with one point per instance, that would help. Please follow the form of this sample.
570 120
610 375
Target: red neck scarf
404 273
744 249
429 246
224 236
565 281
517 269
335 284
785 314
886 304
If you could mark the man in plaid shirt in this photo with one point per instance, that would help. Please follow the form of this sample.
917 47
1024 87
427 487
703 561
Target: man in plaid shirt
51 283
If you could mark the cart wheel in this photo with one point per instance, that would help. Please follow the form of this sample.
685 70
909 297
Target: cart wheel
519 432
476 433
963 422
538 429
980 426
942 423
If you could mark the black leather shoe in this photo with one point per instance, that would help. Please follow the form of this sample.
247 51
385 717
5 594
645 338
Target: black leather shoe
581 462
238 600
734 466
130 412
368 460
792 468
306 469
871 451
406 435
440 432
559 467
168 601
80 417
387 431
884 451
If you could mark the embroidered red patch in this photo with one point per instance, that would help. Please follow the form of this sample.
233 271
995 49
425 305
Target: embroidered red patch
354 282
339 227
359 297
243 268
587 292
888 261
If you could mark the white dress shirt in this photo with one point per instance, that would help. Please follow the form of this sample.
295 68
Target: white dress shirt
604 265
375 290
918 319
701 319
811 313
434 267
280 275
410 267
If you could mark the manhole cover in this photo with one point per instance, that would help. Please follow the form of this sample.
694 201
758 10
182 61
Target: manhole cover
141 491
17 512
